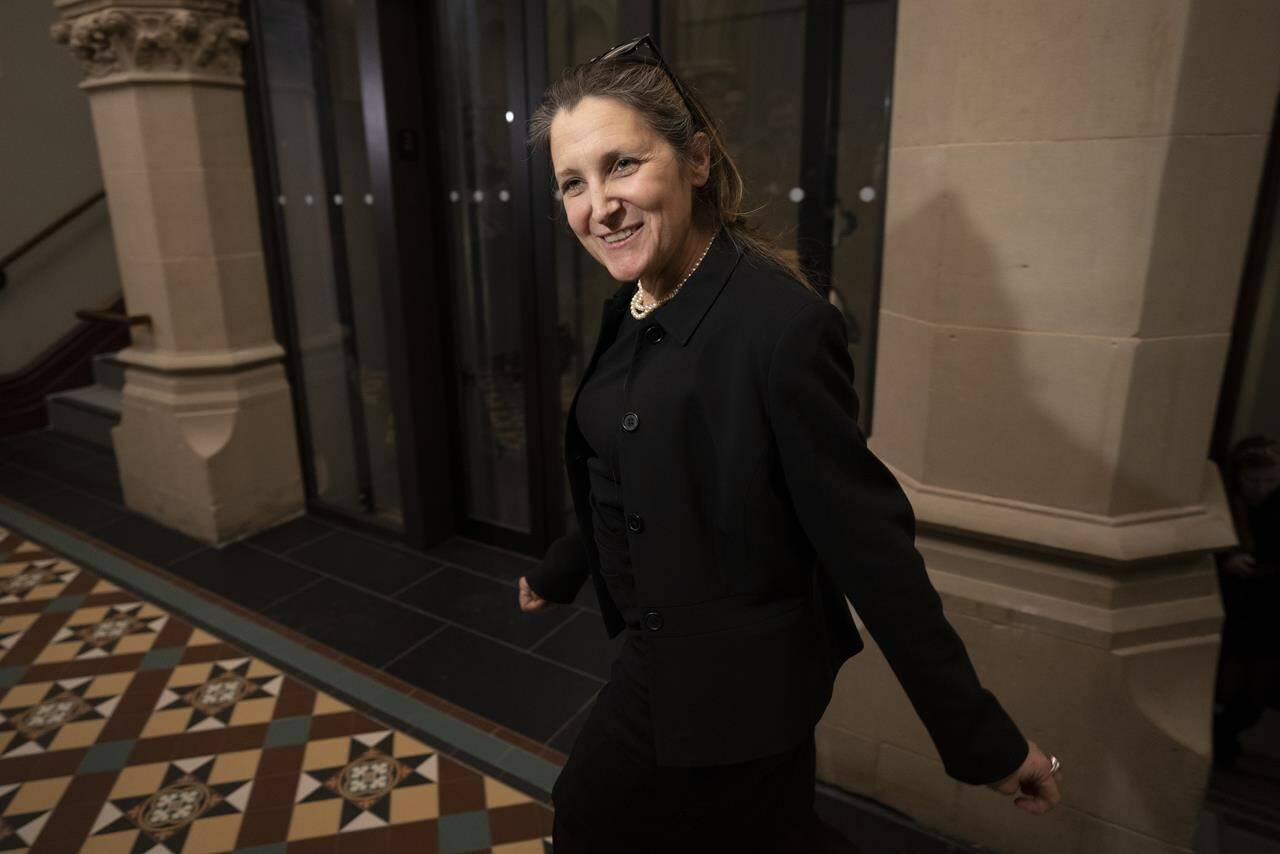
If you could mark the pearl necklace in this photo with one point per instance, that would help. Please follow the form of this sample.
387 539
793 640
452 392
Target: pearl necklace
640 311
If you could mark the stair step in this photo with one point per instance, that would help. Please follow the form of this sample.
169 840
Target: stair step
108 371
87 413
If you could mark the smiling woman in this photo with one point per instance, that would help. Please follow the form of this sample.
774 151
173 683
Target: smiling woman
726 504
626 193
645 179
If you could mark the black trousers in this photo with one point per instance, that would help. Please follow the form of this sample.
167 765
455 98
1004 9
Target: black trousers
613 798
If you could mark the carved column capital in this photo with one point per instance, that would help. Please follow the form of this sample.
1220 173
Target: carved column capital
145 41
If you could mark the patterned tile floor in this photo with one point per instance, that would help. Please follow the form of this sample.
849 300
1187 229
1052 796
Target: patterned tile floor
124 728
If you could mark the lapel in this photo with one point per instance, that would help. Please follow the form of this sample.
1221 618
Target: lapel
686 309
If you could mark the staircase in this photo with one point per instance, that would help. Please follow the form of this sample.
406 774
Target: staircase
89 412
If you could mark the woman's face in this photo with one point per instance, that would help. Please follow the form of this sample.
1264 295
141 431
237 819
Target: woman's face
626 193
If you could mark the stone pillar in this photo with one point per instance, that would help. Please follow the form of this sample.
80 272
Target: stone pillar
206 442
1070 195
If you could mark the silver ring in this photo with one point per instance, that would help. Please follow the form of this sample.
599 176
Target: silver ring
1054 765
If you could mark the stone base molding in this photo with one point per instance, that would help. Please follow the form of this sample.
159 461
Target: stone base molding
1119 539
206 454
1113 673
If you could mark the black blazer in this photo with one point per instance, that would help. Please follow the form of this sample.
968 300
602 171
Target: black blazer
753 508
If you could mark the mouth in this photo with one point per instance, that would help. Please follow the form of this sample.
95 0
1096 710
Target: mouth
621 237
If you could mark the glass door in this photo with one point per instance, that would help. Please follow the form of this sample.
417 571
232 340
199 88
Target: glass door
483 195
801 89
325 251
747 61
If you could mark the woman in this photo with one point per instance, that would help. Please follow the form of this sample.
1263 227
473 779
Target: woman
726 504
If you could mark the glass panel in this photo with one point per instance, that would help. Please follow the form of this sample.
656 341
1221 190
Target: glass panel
725 51
487 321
576 32
866 79
311 66
746 60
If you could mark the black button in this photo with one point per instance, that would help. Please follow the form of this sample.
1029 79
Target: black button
634 523
653 621
653 334
630 421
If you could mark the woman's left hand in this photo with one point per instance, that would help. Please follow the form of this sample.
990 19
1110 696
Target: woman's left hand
1033 785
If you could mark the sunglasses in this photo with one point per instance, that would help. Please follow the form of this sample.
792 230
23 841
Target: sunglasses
646 41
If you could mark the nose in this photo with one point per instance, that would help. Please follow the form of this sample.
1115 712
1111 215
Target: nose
604 207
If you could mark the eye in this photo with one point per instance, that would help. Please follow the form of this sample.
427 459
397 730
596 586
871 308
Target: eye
625 164
569 186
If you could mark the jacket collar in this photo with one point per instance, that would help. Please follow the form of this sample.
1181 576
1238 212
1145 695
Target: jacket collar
682 314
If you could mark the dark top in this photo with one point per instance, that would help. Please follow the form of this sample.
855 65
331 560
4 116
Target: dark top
754 509
599 414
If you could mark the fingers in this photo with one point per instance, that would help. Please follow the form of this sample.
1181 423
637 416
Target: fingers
1039 796
530 601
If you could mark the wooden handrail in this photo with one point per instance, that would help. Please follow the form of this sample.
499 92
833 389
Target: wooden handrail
114 317
45 232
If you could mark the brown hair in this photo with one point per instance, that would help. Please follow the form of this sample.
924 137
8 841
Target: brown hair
646 88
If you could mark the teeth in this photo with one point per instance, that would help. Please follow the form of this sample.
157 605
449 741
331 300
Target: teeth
619 235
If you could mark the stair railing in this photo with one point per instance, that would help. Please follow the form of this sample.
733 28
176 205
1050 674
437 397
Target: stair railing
45 233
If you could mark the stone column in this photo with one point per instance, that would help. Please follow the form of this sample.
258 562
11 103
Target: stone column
206 442
1070 194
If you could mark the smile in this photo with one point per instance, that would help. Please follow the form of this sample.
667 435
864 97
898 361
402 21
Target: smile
619 238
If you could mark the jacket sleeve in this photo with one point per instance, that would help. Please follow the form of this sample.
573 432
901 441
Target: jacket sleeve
863 530
563 569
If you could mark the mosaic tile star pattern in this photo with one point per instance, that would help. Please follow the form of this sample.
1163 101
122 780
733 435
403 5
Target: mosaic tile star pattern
39 716
34 579
123 728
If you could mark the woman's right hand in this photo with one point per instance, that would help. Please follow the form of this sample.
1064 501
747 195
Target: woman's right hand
530 601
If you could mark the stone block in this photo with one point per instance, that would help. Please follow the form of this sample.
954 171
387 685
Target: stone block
845 759
1208 192
998 69
1042 236
1130 723
1028 417
1168 412
213 456
900 426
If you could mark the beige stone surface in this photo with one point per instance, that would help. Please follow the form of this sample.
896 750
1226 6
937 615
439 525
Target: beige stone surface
1026 416
1169 406
1130 725
206 455
181 128
1078 424
999 70
1103 837
1134 237
899 432
206 442
845 759
1203 218
916 785
200 303
1110 540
